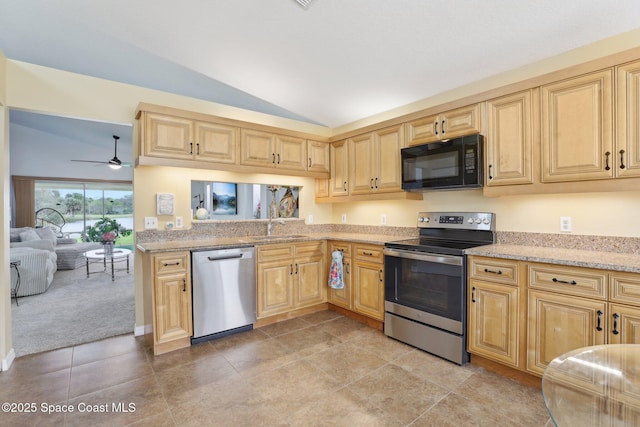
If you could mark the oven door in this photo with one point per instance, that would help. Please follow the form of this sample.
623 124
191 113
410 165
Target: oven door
428 288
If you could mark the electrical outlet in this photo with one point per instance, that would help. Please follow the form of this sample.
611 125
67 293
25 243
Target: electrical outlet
310 219
344 218
150 223
383 219
179 223
565 224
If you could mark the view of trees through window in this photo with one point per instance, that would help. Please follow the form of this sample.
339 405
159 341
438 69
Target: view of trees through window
82 204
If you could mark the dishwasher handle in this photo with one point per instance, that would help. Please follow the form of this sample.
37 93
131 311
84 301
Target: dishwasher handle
224 257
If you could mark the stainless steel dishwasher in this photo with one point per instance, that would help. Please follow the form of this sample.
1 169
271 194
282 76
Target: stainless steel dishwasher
224 292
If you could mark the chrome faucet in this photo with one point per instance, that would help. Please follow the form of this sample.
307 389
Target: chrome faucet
270 224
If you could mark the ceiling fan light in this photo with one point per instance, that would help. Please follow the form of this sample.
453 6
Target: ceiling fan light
304 3
114 166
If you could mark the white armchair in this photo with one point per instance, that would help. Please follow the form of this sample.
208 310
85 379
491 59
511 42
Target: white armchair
37 267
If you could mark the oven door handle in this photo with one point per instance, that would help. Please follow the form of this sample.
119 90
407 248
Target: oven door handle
421 256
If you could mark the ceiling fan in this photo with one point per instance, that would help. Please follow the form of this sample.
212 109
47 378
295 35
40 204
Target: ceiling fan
114 163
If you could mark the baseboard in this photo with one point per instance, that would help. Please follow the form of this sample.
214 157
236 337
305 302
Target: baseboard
139 331
8 360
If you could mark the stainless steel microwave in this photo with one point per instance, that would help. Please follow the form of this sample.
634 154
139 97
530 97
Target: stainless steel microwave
453 164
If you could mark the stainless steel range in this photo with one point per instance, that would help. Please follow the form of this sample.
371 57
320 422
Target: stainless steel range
426 282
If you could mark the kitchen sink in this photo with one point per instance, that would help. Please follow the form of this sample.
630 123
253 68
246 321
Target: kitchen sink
274 238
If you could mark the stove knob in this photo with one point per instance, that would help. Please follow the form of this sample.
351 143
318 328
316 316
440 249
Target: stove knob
420 219
478 221
470 220
485 221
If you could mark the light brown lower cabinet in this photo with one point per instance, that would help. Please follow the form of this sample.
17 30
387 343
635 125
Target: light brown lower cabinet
525 314
290 276
171 300
363 269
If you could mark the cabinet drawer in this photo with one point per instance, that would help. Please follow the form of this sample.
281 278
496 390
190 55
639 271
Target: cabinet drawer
569 280
275 252
171 263
312 249
624 287
494 270
369 253
344 247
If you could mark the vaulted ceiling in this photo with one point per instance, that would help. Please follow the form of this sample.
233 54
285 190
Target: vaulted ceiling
332 63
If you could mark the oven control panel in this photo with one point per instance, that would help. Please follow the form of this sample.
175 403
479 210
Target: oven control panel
457 220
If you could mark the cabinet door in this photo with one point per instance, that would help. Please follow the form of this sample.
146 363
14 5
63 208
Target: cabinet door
388 142
493 321
577 128
318 154
368 285
509 140
257 148
310 287
168 137
217 143
172 307
422 131
342 297
624 324
459 122
339 183
361 164
558 324
275 288
628 120
291 153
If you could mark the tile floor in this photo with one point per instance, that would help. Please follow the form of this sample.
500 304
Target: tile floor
320 369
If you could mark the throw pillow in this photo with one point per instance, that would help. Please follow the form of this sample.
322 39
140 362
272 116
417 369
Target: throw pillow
47 233
29 235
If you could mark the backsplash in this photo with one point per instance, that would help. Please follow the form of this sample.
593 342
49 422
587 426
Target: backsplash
571 241
212 229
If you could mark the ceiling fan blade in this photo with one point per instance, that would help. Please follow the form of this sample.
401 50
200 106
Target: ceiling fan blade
90 161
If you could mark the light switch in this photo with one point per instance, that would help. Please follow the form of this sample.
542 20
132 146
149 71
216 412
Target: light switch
150 223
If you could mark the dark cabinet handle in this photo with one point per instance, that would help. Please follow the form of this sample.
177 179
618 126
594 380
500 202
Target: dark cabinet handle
621 159
598 327
191 148
197 149
309 162
486 270
278 158
367 253
442 128
473 294
490 176
296 268
435 127
184 285
607 167
376 182
167 264
573 282
273 158
616 316
347 268
371 183
380 276
345 186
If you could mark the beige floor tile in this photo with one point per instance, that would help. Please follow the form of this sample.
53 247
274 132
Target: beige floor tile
52 387
439 371
284 327
321 317
456 411
307 341
235 341
381 345
100 350
342 327
346 362
183 356
260 356
398 393
40 363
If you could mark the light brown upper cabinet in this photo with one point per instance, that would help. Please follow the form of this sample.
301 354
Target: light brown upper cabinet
374 161
446 125
577 128
628 120
271 150
180 138
318 156
509 138
339 182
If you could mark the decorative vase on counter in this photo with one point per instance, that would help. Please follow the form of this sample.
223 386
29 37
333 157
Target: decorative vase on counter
273 206
287 204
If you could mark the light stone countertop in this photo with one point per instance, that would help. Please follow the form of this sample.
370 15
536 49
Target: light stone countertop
629 262
246 241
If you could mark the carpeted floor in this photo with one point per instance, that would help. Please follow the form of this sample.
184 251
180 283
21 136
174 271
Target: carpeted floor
74 310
